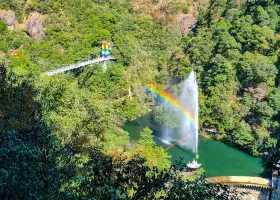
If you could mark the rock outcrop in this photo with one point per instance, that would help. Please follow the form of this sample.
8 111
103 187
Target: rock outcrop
185 22
9 18
34 26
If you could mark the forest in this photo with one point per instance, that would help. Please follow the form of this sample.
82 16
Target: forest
61 137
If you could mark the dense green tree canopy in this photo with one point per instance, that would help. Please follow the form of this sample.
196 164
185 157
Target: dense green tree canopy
37 162
61 135
234 48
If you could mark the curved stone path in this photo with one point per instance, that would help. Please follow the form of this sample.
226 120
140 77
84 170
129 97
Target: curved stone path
241 180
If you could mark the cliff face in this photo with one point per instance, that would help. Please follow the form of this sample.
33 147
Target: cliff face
169 12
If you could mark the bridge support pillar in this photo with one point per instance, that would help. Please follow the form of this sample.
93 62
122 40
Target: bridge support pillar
275 183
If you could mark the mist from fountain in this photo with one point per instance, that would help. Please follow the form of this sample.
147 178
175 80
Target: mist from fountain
184 126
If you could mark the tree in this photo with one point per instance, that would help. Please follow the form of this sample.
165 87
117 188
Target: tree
102 177
199 189
262 16
2 26
242 136
146 148
274 99
27 148
36 164
234 53
255 69
16 110
73 112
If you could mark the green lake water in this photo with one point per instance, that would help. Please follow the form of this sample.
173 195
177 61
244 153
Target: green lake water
217 158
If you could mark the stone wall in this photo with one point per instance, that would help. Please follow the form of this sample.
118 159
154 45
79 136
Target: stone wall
257 188
254 193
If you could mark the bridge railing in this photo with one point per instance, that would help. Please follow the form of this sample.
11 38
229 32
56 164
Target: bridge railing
77 65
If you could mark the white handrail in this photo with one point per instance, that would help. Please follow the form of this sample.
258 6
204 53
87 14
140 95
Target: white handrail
77 65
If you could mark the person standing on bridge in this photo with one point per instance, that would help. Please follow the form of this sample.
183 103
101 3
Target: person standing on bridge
103 50
107 52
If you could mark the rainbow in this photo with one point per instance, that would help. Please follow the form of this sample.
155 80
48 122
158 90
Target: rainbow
172 100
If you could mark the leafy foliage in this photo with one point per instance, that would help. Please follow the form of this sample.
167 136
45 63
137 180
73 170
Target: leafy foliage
235 51
102 177
155 155
35 163
58 133
2 26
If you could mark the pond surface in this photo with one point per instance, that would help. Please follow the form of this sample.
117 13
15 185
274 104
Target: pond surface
217 158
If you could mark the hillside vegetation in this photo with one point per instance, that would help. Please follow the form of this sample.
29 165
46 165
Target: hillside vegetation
60 136
235 51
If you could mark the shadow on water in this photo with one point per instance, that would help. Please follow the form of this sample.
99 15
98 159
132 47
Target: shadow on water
217 158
